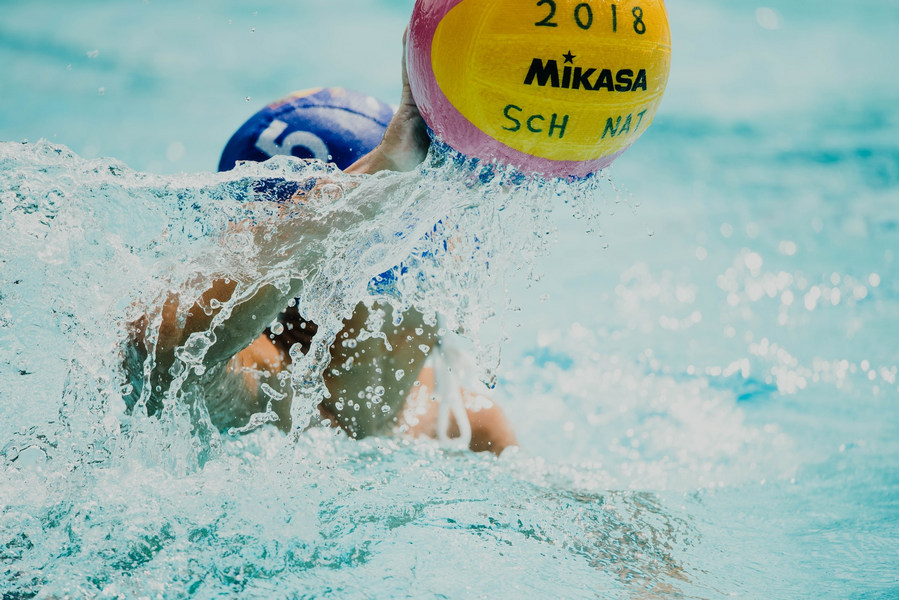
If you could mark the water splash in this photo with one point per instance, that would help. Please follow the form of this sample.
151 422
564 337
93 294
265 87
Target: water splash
99 502
88 246
102 245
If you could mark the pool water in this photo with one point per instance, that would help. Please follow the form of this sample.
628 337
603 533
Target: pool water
699 356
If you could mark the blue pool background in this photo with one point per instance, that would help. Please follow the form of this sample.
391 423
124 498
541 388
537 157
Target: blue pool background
661 369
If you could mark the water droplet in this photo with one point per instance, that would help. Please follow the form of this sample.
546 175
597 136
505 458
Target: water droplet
753 262
271 392
30 457
787 248
787 298
12 453
194 348
767 18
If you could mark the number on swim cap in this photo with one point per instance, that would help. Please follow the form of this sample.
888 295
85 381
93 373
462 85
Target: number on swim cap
267 142
332 124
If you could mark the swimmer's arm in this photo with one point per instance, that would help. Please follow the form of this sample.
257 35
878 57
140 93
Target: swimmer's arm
177 320
247 320
404 146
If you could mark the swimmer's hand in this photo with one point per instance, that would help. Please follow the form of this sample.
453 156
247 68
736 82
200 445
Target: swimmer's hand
405 143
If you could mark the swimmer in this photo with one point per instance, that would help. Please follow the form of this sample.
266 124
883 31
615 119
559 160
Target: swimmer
244 361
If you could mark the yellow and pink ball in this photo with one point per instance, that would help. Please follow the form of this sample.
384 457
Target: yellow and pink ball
559 88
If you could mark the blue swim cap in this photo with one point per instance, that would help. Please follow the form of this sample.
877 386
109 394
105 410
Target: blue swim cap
332 124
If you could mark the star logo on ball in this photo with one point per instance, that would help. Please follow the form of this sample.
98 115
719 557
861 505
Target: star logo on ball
569 57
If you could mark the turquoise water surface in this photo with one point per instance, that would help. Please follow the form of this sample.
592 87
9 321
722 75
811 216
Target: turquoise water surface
699 355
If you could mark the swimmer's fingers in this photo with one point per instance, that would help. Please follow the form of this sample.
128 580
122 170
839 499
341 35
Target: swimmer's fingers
405 143
407 97
414 131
